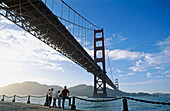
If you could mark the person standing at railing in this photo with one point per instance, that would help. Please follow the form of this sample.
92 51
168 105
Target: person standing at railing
55 96
59 99
65 95
50 95
46 100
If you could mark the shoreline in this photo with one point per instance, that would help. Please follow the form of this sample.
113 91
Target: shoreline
16 106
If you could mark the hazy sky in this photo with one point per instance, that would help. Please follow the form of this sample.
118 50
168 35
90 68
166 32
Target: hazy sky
137 36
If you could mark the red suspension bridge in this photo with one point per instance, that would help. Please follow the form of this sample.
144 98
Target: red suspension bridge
58 25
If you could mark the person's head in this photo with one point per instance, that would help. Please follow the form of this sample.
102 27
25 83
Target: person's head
65 87
52 89
49 89
58 91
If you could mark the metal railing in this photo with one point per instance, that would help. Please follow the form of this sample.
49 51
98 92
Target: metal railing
124 99
15 96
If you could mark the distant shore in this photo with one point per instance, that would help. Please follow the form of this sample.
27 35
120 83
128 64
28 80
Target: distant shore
11 106
79 90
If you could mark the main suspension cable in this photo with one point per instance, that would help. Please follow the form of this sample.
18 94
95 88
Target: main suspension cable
80 15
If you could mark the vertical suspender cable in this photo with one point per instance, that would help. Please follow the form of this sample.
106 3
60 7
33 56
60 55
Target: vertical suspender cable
92 38
20 8
79 14
89 37
52 5
78 28
109 63
82 33
85 35
74 23
61 11
69 19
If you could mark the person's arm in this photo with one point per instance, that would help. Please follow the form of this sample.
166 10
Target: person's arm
62 93
68 93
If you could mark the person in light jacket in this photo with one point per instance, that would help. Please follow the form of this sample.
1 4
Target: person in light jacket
50 95
55 96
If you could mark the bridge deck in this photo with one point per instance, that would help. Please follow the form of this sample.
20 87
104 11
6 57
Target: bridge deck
37 19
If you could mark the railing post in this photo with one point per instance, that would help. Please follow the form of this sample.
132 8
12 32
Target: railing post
28 102
73 106
14 98
3 98
69 101
125 105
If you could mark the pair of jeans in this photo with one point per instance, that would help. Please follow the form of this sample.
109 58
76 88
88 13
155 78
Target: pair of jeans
54 102
49 101
46 101
66 97
59 102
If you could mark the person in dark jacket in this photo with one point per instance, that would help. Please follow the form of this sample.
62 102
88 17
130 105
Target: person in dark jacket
65 95
46 100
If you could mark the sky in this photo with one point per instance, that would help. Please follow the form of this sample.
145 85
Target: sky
137 37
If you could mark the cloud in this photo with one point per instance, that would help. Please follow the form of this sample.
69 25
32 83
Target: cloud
166 72
118 54
90 52
167 75
119 71
130 74
117 38
138 66
126 75
159 68
155 60
144 61
157 77
4 21
121 75
19 46
165 42
146 82
148 75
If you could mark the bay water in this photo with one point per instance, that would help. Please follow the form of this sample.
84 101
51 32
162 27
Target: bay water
116 105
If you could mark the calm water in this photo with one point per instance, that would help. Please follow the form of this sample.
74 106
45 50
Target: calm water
109 106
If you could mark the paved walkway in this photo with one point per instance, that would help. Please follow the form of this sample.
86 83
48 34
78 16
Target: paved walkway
10 106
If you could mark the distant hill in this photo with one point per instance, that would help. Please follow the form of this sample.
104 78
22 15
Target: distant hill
81 90
162 94
27 88
34 88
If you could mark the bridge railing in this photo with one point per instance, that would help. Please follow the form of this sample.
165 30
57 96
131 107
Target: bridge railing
73 105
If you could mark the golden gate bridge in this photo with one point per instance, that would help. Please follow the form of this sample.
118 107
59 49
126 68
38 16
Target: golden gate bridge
61 27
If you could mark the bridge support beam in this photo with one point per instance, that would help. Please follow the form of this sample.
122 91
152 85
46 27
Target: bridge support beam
99 58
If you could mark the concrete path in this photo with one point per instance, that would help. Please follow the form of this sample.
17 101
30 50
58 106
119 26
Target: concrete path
10 106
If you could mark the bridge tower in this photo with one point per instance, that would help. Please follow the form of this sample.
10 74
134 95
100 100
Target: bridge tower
99 85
